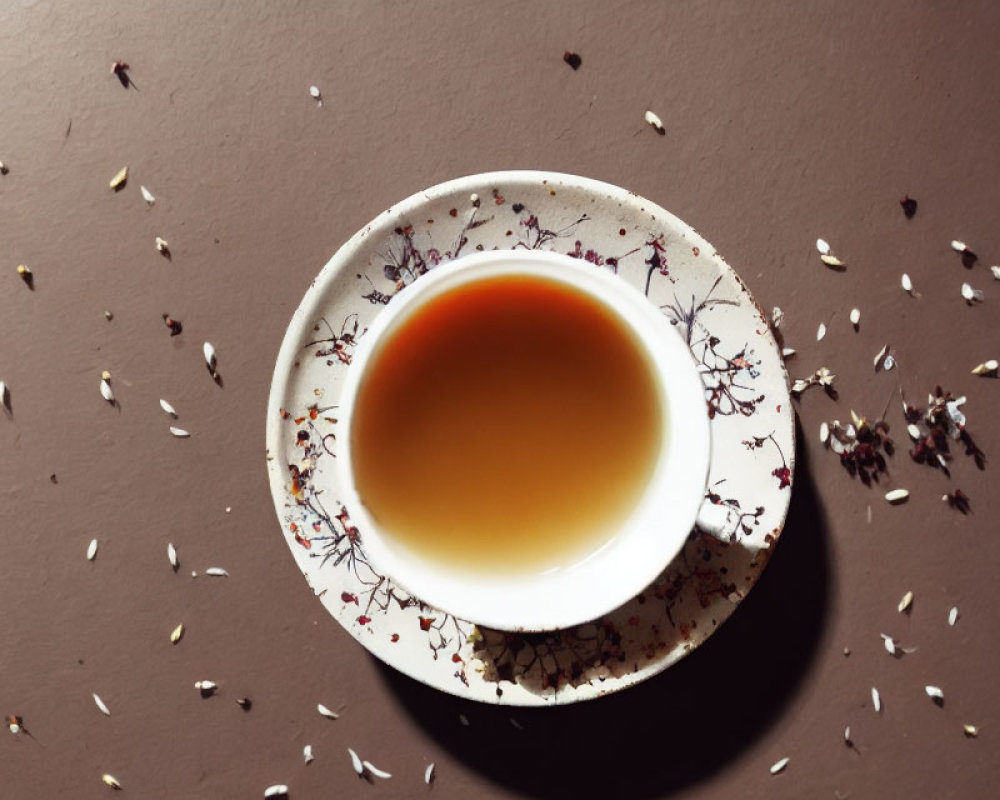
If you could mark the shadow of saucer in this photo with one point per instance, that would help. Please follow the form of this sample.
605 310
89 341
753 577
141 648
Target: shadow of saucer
678 728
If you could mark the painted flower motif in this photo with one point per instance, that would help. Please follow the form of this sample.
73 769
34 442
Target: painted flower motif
784 476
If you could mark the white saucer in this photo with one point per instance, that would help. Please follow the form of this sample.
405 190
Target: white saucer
749 408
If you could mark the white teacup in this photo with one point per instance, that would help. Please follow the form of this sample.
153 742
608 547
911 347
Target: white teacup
521 594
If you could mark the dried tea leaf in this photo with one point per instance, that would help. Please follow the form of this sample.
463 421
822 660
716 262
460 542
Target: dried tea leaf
92 550
176 634
111 781
147 195
779 765
167 408
102 707
326 712
118 181
897 496
905 603
657 124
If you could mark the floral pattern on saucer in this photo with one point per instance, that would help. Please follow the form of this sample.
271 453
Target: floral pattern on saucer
747 400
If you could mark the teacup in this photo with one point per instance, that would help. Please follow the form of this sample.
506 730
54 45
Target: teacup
523 440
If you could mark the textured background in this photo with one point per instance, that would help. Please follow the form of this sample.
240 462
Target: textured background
785 121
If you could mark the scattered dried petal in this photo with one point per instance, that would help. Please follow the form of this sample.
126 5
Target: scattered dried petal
889 363
106 391
176 634
217 572
111 781
787 352
855 316
245 703
167 408
101 705
958 247
92 550
832 261
971 295
953 616
210 358
909 206
777 317
118 181
876 700
970 730
4 395
996 272
429 774
890 644
162 246
905 603
779 765
4 169
879 360
820 332
108 316
897 496
373 770
847 736
655 121
935 694
907 283
326 712
573 59
172 555
180 433
205 687
356 762
314 92
823 247
277 790
987 367
307 754
824 432
147 195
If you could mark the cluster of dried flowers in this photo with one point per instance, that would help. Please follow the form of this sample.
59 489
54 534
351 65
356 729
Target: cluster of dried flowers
934 428
861 445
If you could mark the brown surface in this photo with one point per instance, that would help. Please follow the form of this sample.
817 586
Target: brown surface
783 124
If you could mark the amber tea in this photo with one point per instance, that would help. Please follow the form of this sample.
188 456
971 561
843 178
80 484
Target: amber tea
507 425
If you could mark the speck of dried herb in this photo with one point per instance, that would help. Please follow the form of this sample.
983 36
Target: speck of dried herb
862 447
942 421
909 206
957 500
174 325
821 377
573 59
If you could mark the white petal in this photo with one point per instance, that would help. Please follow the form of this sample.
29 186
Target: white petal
111 781
823 247
897 496
217 572
855 316
958 247
778 766
953 616
324 711
429 774
307 753
654 120
907 283
996 272
876 700
106 391
147 195
209 352
167 408
356 762
180 433
934 692
4 395
101 705
820 331
378 773
92 550
824 432
172 555
277 790
314 92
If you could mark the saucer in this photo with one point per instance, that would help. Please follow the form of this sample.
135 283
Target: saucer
752 425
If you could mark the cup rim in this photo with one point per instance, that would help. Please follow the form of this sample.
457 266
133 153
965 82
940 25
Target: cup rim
647 540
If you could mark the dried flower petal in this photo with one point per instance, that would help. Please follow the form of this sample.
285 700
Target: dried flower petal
307 754
905 603
824 432
823 247
876 700
890 644
172 555
573 60
897 496
987 367
356 762
958 247
167 408
162 246
92 550
953 616
779 765
971 295
855 316
326 712
935 694
277 790
970 730
314 92
777 317
102 707
832 261
820 332
106 391
210 358
205 687
909 206
996 272
889 363
429 774
180 433
147 195
787 352
375 771
111 781
847 736
4 169
879 359
176 634
217 572
655 121
907 283
118 181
